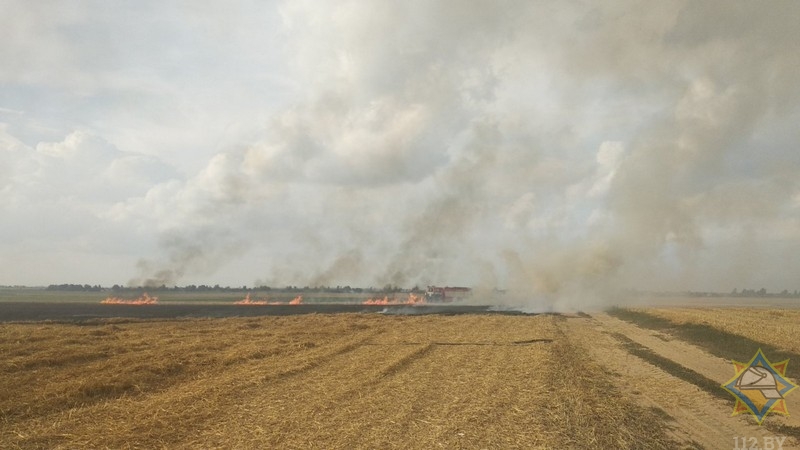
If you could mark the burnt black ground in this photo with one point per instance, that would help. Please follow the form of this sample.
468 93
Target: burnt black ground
76 312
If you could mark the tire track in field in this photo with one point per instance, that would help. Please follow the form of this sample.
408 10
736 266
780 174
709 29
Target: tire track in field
307 401
392 393
204 398
376 382
474 394
690 356
228 400
697 416
455 396
405 361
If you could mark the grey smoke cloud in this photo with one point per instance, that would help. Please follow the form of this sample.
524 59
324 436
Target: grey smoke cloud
561 151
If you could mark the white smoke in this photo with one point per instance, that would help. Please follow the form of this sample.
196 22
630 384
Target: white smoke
563 152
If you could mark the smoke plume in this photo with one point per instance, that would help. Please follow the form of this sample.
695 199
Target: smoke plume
562 152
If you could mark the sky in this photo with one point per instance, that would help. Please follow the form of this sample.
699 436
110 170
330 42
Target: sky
567 149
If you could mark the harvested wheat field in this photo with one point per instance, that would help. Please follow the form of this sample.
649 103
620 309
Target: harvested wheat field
371 381
773 326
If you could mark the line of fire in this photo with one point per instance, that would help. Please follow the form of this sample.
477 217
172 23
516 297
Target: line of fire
434 294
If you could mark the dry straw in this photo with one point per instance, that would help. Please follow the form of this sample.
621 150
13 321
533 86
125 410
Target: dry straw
315 381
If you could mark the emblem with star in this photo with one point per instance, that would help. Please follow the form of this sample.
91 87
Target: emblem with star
760 387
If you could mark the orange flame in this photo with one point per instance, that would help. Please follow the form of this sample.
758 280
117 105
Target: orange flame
297 300
143 300
377 301
412 299
248 301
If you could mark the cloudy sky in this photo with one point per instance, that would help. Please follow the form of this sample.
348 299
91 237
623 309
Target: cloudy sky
557 147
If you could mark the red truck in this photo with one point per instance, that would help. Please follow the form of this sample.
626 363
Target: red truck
446 294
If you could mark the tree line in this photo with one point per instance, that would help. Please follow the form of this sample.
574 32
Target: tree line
764 293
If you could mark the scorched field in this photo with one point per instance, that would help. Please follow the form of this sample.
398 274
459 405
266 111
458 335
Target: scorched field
623 379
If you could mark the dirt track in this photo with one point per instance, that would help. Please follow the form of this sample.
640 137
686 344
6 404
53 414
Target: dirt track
698 416
363 381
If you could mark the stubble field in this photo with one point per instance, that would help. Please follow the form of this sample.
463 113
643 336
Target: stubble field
623 379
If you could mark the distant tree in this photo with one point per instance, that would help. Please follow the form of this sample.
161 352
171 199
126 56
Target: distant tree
389 287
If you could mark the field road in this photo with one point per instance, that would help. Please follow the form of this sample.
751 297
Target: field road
606 380
698 415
